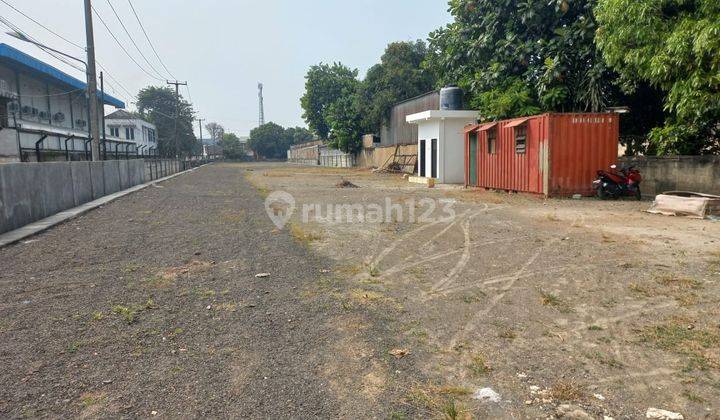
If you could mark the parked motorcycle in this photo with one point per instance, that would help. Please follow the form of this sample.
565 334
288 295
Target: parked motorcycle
616 184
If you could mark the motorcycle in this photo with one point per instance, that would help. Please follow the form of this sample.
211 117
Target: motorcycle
616 184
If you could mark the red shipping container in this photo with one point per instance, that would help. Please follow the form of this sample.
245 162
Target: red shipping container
549 154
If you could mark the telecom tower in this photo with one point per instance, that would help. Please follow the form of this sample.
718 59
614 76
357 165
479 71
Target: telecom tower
261 119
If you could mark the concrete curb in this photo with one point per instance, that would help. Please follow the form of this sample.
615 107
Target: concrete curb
42 225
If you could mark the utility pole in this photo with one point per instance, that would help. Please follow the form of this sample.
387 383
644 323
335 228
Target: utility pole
202 145
261 117
177 112
200 121
92 83
104 138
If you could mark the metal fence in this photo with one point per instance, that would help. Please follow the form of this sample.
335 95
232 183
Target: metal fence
338 161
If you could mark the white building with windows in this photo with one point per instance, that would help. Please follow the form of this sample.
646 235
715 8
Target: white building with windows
441 143
43 111
122 125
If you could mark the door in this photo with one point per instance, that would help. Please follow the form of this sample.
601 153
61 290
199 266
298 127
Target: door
433 159
421 159
472 176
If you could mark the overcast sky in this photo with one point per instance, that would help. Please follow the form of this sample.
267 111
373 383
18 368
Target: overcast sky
224 48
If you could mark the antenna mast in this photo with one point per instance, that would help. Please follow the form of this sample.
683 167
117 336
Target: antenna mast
261 119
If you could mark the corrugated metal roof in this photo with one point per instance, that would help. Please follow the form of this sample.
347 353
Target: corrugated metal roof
471 127
486 127
11 54
517 122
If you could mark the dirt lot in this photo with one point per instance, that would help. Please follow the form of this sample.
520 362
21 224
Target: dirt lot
558 306
150 306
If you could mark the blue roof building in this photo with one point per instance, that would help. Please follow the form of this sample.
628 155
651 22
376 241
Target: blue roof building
43 111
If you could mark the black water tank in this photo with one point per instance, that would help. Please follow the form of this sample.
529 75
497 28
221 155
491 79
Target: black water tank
451 98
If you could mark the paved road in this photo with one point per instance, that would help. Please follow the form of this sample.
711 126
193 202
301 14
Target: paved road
150 306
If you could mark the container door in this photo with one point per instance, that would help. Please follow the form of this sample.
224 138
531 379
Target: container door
433 158
421 159
472 176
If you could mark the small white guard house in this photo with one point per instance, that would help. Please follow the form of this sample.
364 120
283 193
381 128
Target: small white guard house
441 144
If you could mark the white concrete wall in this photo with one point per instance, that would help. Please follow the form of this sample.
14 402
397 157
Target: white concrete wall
428 130
453 147
450 150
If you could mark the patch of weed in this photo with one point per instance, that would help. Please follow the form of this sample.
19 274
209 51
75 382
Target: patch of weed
607 360
302 235
128 313
73 347
91 398
680 282
553 217
205 293
474 297
641 290
552 300
373 270
131 268
450 410
696 344
478 365
233 217
567 390
693 397
227 307
507 333
157 281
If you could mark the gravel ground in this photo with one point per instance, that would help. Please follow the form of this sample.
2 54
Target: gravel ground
150 306
575 308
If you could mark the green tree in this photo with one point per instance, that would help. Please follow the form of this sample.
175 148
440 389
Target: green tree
345 121
232 148
297 135
158 105
542 51
325 84
397 77
269 141
216 130
673 45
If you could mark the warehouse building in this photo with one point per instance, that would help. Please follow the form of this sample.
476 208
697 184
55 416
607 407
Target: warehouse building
43 111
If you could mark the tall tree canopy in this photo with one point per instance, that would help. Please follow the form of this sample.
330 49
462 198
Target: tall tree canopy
271 141
232 148
672 44
324 84
397 77
345 120
158 105
216 130
518 57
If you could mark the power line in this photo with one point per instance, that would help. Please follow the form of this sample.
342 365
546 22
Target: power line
43 26
122 47
17 29
187 87
148 39
73 65
132 39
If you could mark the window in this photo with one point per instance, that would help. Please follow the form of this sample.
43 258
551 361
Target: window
151 135
492 141
4 116
520 139
115 131
129 133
